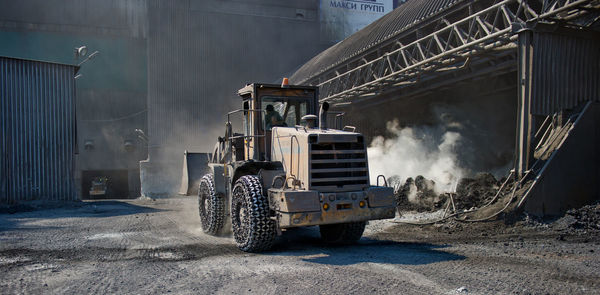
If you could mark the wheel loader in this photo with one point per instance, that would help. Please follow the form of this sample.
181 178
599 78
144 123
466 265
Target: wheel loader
284 168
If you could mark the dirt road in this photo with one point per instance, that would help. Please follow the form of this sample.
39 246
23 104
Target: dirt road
146 246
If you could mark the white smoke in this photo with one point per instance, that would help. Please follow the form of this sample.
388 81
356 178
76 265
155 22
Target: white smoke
409 152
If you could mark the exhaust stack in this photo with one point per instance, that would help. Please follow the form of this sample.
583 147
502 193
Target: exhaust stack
323 115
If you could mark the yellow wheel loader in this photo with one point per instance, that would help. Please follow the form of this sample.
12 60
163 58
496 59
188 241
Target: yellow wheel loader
283 168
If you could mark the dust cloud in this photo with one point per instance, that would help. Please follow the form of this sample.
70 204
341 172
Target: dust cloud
421 150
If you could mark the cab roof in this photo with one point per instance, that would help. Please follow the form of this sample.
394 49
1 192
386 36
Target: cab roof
250 88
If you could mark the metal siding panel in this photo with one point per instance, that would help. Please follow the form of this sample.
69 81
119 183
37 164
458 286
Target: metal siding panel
202 47
198 59
37 131
17 135
3 128
27 124
566 72
44 130
58 131
52 133
11 110
37 135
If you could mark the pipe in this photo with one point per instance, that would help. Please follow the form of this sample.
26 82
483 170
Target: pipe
323 116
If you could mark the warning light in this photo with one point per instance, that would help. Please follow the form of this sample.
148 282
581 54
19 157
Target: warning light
285 83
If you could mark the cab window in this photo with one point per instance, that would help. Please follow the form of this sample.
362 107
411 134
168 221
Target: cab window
283 111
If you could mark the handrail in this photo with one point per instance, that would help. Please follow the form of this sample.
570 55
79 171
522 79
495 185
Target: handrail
241 110
292 156
245 136
384 180
247 149
348 128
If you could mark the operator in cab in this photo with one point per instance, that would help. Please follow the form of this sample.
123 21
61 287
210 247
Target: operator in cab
272 118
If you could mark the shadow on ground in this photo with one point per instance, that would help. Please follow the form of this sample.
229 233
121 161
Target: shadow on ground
10 220
89 254
306 242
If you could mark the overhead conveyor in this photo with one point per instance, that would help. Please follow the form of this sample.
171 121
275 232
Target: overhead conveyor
485 33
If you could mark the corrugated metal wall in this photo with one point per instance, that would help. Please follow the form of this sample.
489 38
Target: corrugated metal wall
38 131
566 72
201 53
107 17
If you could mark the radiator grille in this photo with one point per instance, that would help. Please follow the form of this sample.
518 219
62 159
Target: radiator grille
338 166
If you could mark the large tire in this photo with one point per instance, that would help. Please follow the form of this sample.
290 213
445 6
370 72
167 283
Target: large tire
211 206
253 229
343 233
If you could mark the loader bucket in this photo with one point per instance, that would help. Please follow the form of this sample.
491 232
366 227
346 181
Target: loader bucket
195 165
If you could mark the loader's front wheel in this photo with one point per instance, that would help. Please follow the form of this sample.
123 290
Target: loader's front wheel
211 206
253 229
343 233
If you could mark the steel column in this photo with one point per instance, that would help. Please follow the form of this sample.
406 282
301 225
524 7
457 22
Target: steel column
524 117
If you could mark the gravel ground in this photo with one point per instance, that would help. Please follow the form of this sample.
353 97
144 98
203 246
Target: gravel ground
146 246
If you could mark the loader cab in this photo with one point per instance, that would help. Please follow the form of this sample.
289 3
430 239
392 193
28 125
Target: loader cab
269 105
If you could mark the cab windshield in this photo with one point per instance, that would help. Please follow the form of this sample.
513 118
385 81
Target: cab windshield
283 110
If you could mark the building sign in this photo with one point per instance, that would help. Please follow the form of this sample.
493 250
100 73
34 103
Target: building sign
342 18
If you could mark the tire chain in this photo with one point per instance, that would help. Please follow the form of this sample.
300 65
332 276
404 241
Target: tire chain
259 232
213 220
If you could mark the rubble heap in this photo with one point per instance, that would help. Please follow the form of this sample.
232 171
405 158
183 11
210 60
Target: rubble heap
475 192
419 194
587 217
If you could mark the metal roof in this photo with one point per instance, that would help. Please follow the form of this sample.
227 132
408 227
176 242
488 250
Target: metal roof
250 87
75 66
401 19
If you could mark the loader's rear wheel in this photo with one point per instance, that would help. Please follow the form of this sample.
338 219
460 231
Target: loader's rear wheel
253 229
343 233
211 206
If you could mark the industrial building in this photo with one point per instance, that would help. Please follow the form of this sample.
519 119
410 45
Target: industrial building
300 146
165 71
111 87
38 131
201 52
519 80
505 74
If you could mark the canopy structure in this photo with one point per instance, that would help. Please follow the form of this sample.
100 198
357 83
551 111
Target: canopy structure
421 40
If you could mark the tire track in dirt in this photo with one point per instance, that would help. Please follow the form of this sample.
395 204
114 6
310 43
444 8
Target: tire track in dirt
158 246
120 235
37 262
